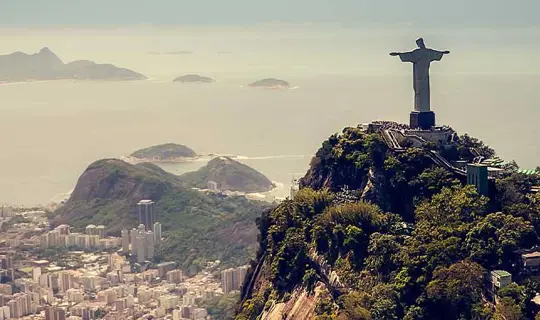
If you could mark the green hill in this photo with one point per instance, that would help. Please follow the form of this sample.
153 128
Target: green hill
229 175
163 152
407 240
198 226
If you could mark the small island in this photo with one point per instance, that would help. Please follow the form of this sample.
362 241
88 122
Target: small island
168 152
45 65
193 78
270 83
227 174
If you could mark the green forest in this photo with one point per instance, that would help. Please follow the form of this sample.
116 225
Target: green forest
417 244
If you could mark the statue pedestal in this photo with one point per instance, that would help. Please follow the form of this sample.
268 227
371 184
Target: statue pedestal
422 120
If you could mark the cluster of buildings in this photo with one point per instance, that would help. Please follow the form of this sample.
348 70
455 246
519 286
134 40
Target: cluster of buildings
140 242
95 237
527 264
94 284
6 212
233 279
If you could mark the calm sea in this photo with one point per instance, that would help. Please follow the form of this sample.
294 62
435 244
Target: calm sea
51 131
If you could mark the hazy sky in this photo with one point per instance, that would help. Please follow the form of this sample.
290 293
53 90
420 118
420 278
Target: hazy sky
420 13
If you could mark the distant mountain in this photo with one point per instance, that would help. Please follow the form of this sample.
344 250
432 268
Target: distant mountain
164 152
45 65
270 83
197 226
193 78
229 175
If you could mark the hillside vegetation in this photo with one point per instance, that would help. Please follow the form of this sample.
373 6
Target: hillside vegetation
229 175
374 234
163 152
198 227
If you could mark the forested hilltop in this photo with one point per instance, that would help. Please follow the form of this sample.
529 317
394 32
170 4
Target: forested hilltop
197 227
376 234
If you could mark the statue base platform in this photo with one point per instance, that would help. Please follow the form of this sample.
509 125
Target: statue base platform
422 120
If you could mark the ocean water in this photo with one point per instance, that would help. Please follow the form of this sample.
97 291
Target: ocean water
51 131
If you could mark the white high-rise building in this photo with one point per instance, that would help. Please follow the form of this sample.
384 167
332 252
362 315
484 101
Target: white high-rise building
74 295
36 272
91 230
101 232
212 186
188 299
66 281
168 302
125 241
177 314
157 232
149 245
4 313
174 276
133 239
141 247
233 279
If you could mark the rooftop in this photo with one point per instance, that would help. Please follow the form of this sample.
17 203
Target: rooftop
501 273
146 202
529 172
535 254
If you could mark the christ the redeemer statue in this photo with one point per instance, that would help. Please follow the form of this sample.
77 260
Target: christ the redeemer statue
421 59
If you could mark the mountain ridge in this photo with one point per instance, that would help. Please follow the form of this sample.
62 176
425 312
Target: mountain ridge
46 65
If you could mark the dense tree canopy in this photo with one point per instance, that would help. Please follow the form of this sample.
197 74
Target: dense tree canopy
416 243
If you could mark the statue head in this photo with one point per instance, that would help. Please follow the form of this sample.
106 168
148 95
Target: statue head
420 43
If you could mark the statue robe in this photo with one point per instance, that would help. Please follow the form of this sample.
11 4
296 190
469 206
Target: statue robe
421 59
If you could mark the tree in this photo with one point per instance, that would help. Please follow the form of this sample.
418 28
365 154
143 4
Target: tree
511 166
382 251
493 240
469 146
352 306
454 290
507 309
450 211
222 307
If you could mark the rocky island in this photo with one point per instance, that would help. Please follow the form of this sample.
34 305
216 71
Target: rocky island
45 65
230 175
193 78
168 152
196 225
270 83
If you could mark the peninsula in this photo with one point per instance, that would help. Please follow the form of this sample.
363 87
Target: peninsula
45 65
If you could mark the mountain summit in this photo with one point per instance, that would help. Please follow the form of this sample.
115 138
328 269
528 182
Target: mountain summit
46 65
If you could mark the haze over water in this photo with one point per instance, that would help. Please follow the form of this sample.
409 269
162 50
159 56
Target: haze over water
51 131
